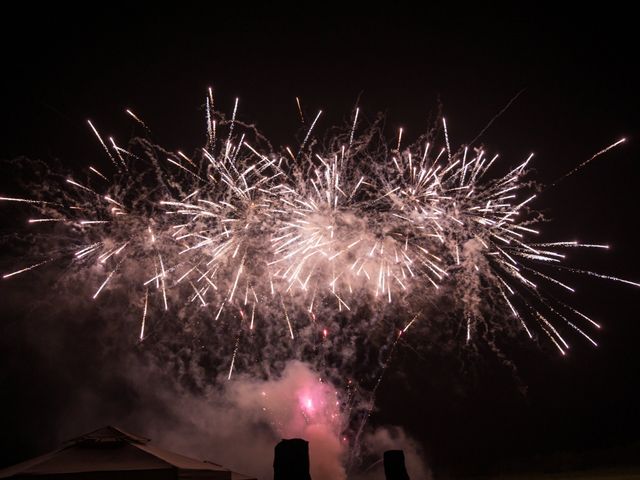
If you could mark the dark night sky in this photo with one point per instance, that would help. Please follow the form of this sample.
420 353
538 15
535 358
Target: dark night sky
577 70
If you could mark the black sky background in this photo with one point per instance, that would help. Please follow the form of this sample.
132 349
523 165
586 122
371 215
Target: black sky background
578 72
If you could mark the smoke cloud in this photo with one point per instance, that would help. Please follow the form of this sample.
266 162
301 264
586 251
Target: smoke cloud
85 372
239 425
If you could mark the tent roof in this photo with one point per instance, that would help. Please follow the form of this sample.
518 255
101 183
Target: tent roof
110 449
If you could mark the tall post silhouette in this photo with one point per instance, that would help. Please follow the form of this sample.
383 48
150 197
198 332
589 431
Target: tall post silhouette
291 460
394 468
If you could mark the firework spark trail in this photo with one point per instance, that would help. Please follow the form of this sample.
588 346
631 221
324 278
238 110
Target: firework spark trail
24 200
589 160
144 313
26 269
104 145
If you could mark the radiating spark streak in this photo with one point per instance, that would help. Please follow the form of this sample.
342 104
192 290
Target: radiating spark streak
98 173
198 294
104 284
83 251
286 316
45 220
571 324
313 124
219 311
554 341
583 164
353 128
76 184
188 160
300 110
570 244
599 275
106 149
26 269
580 314
409 324
342 302
446 137
553 329
144 313
210 121
551 279
117 150
233 358
163 275
497 115
233 122
185 169
24 200
133 115
111 200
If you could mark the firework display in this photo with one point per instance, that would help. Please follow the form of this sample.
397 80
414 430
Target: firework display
239 228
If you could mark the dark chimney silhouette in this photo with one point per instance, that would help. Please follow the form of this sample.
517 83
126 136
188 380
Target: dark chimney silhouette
394 468
291 460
